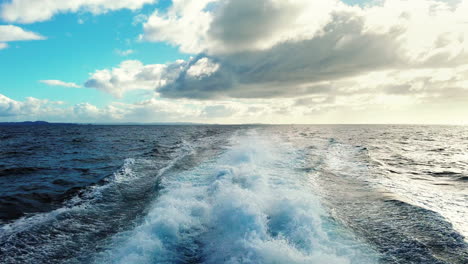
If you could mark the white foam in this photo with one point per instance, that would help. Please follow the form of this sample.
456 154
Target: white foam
450 202
248 206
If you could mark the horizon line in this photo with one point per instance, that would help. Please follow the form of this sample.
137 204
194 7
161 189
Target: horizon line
39 122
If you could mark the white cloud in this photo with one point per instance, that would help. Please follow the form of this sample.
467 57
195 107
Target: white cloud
152 110
186 24
240 25
139 19
202 68
230 26
8 106
30 11
86 112
425 27
14 33
31 107
124 52
321 108
9 33
60 83
431 30
133 75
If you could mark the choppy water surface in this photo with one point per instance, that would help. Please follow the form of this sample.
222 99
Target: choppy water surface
233 194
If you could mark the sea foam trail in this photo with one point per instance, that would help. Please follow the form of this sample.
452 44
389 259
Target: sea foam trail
247 206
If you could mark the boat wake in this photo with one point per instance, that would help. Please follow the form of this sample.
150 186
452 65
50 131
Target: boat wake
249 205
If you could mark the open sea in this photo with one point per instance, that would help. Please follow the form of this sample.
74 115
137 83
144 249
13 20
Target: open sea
234 194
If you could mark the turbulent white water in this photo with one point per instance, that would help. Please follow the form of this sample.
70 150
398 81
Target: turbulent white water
250 205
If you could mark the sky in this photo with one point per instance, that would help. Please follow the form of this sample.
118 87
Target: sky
235 61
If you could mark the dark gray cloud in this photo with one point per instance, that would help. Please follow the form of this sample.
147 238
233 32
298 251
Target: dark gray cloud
343 50
241 24
297 48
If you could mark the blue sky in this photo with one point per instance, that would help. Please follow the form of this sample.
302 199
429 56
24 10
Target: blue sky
229 61
76 45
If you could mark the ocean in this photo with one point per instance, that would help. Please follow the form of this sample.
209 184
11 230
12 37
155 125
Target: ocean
234 194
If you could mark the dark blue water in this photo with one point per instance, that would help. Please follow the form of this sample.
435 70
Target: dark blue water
233 194
42 166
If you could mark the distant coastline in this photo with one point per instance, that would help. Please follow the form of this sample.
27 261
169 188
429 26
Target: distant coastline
32 123
45 123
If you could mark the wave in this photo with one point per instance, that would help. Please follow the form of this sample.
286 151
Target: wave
247 206
407 219
91 215
19 171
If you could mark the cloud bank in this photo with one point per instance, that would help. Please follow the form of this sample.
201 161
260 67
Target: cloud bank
30 106
271 48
